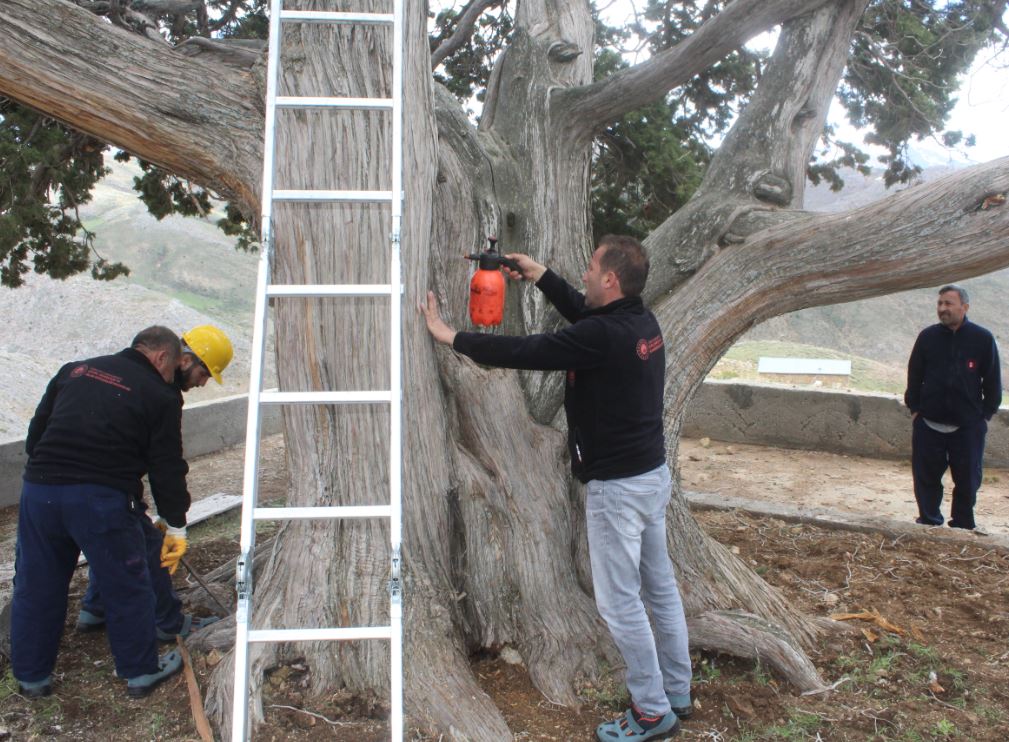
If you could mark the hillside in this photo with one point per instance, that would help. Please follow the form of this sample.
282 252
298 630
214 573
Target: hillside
187 272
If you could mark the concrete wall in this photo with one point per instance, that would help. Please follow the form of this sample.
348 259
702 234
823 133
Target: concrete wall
860 424
206 427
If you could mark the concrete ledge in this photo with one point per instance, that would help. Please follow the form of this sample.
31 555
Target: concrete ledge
206 427
843 521
875 425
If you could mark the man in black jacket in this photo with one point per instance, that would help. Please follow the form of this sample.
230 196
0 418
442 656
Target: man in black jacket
206 352
954 386
614 359
101 425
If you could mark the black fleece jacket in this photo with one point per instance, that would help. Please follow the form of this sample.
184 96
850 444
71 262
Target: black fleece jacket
110 420
954 377
615 363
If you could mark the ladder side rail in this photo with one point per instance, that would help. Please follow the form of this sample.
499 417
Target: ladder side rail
396 384
240 706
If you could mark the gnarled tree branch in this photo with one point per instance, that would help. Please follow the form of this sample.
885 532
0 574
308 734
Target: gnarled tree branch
200 121
463 31
607 100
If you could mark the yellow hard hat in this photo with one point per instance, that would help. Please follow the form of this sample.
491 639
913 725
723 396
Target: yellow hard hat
211 346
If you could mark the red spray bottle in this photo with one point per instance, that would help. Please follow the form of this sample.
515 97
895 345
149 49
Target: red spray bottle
487 288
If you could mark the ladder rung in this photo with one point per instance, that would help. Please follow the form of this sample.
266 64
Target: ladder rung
324 397
263 636
314 289
345 196
323 513
324 16
351 103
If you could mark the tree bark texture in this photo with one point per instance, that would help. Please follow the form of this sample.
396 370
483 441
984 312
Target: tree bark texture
494 539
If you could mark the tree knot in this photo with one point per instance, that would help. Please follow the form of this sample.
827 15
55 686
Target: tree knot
563 51
772 188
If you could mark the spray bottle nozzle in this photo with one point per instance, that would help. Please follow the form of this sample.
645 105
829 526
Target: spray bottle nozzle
490 260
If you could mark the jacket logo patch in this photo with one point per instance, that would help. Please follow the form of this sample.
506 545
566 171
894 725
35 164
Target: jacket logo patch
646 347
104 377
971 364
79 371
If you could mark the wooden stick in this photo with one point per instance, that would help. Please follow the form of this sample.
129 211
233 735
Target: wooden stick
195 699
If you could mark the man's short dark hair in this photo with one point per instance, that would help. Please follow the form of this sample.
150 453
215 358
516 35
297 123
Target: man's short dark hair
155 338
626 257
964 297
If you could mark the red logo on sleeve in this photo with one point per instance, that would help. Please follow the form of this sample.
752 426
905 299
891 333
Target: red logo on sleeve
971 364
645 348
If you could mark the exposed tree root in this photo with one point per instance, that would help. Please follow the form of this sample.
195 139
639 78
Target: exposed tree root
746 635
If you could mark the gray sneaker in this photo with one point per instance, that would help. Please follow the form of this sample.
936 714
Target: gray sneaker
168 664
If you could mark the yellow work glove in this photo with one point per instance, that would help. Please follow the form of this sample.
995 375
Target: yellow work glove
173 548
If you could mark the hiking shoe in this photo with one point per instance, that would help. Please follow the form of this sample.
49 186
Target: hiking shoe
38 689
168 664
681 709
634 725
88 622
190 623
683 712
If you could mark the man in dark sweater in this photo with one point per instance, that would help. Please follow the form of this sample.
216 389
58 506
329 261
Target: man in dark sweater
614 358
206 352
954 386
101 425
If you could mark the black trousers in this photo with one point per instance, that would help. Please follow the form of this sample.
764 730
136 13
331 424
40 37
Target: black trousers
932 453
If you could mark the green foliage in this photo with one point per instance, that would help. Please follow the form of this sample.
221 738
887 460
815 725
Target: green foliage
644 168
903 71
906 58
466 72
49 172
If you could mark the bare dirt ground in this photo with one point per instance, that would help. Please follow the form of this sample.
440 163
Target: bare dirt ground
848 484
940 672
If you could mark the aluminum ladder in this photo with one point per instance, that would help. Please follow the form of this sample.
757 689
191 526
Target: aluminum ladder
244 636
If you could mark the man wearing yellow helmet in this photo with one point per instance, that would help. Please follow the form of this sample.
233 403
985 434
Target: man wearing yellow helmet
206 352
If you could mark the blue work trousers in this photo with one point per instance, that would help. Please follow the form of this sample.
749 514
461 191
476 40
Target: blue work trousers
631 570
55 524
931 453
168 614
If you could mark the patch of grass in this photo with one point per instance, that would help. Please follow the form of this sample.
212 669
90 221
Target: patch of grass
800 725
706 671
8 686
760 674
945 729
990 714
607 691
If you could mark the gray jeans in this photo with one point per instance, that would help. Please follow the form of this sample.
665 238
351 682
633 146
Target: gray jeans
631 571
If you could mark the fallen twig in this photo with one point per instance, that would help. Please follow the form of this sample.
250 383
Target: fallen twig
826 689
331 722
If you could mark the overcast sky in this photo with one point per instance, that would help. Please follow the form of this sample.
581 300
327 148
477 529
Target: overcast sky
982 108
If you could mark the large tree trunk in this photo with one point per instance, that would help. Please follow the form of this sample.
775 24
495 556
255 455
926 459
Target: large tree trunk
495 549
